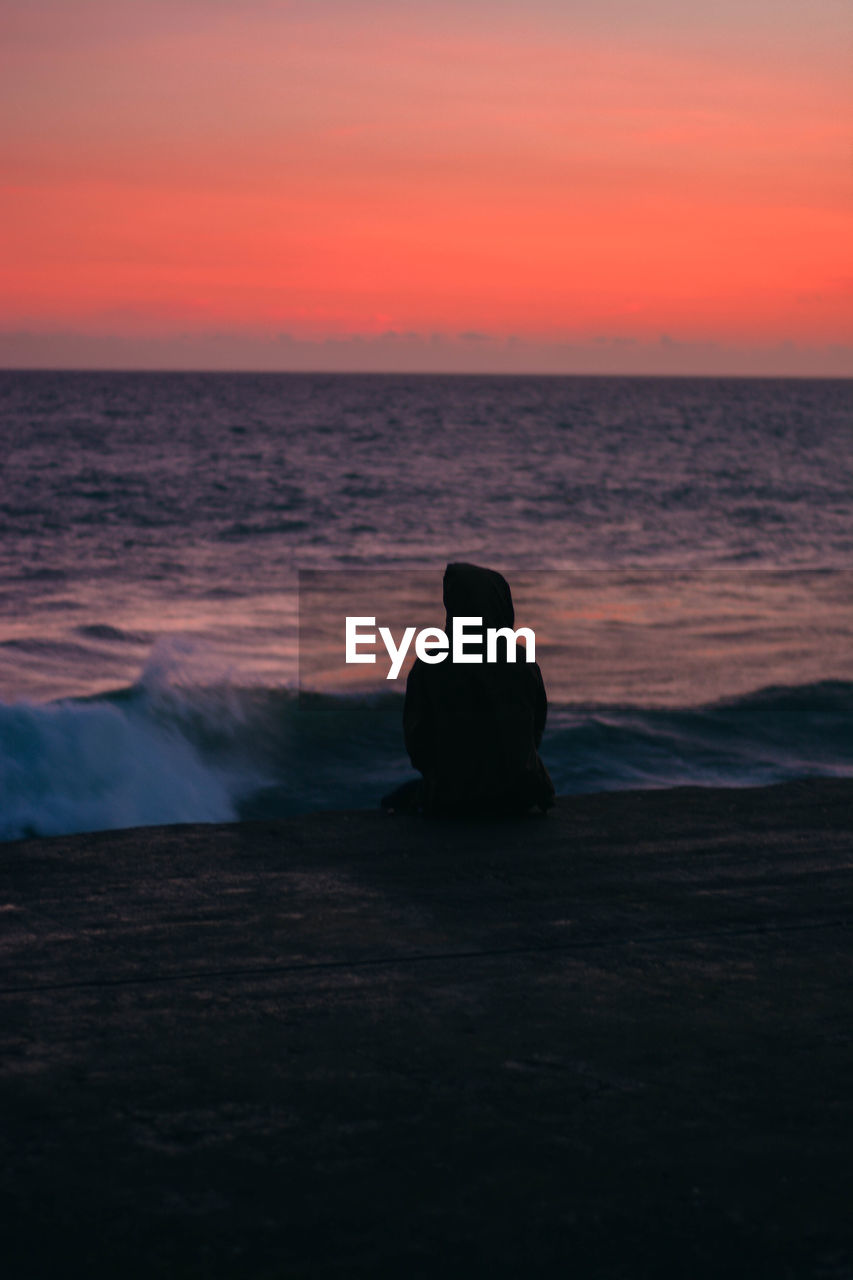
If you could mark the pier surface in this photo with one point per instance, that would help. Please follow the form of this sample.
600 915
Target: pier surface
613 1042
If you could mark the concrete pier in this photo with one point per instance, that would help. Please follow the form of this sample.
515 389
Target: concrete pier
613 1042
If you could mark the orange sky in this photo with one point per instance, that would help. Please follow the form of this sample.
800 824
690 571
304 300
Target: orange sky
466 185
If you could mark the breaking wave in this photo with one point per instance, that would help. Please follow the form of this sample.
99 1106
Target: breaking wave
163 752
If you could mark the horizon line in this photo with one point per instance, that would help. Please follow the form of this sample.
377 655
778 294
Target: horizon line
427 373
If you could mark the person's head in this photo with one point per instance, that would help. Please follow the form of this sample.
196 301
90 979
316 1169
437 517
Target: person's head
474 592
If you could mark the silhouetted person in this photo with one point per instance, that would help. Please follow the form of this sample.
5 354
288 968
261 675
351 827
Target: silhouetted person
473 731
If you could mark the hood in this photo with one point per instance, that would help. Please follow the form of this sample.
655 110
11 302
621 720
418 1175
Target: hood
470 591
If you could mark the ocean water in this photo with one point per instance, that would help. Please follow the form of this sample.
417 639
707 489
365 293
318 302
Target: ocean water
684 548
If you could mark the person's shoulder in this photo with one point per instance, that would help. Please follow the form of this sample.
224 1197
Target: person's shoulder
416 673
533 675
422 673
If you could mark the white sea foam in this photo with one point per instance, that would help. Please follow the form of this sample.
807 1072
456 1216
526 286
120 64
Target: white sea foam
69 767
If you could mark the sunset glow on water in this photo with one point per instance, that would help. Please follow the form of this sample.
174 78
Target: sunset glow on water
180 553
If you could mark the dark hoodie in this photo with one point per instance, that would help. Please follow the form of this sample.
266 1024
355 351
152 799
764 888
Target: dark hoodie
473 730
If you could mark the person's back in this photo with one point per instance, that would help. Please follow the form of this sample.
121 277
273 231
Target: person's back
473 730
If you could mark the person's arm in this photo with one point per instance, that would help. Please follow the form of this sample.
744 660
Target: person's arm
417 721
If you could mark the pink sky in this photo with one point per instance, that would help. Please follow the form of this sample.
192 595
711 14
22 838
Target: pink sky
478 185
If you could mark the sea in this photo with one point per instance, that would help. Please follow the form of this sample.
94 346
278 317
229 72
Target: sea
178 553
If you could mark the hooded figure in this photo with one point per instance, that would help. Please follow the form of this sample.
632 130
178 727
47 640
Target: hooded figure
473 730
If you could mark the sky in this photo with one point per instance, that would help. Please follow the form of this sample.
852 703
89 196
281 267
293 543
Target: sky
599 186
